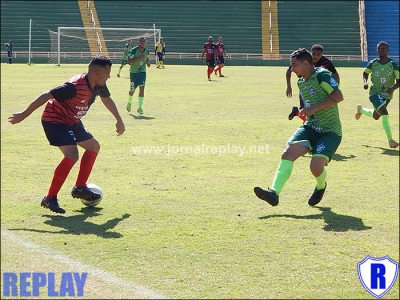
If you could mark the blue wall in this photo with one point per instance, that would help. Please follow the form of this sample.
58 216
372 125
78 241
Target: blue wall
382 22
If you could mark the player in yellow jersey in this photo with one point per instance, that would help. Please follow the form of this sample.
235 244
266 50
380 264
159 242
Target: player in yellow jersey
160 53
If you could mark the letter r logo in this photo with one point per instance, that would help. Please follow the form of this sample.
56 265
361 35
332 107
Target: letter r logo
378 275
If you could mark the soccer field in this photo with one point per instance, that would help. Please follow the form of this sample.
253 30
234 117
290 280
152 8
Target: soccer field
179 218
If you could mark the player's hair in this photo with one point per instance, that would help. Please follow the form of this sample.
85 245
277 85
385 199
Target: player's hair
317 47
101 61
302 54
383 43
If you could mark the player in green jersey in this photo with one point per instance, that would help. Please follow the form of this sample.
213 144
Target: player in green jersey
138 58
127 49
384 73
320 135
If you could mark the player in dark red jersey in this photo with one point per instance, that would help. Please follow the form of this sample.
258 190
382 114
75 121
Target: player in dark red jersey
220 58
319 61
61 120
210 50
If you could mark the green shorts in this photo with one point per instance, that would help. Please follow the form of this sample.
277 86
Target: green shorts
138 79
319 144
378 101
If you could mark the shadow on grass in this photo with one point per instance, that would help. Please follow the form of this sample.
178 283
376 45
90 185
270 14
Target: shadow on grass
141 117
339 157
334 222
386 151
78 224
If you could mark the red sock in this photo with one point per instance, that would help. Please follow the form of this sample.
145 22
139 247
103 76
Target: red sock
298 113
209 72
219 68
87 162
303 117
60 174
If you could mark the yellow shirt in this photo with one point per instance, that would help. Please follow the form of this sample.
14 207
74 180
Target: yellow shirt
160 47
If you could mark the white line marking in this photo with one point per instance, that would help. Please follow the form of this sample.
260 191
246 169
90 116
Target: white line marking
103 275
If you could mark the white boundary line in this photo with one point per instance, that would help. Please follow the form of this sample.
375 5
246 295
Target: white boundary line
103 275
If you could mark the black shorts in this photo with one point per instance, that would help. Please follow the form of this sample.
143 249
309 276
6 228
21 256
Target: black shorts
210 63
62 134
160 56
220 60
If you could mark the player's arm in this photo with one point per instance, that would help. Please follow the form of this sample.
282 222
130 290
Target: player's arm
36 103
288 83
335 96
110 105
132 60
390 90
202 55
365 79
337 77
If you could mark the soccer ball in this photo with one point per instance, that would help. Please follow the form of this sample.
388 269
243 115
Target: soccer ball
93 187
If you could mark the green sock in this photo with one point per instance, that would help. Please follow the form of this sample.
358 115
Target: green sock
386 126
367 111
282 174
119 71
321 180
130 99
140 101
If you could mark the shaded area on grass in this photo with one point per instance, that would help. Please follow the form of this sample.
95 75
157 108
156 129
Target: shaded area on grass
139 117
386 151
78 224
334 221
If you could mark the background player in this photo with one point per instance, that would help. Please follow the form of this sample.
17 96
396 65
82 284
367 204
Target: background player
384 72
210 50
138 58
220 58
160 53
127 48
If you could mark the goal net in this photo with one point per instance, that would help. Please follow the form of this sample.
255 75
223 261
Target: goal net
71 45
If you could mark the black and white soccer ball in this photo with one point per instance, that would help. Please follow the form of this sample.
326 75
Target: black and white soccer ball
95 188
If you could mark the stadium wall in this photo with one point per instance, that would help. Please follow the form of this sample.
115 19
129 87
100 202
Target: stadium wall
186 26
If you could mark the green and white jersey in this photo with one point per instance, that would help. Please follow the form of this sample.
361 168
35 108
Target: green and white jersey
127 48
315 90
140 65
383 76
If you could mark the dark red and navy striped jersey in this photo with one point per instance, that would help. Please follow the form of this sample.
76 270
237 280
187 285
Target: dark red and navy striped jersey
220 49
72 100
210 50
326 64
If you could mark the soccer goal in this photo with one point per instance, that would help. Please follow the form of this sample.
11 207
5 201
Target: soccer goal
71 45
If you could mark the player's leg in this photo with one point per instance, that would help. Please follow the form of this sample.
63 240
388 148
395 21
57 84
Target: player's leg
131 91
141 82
221 65
323 149
123 63
210 67
62 136
158 60
386 124
92 148
377 101
297 146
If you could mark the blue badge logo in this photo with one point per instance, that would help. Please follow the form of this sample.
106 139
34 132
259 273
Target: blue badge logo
378 275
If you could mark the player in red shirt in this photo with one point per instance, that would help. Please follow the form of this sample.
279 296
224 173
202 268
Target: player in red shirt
61 120
220 58
210 50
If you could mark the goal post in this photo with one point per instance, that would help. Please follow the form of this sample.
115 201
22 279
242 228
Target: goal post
78 44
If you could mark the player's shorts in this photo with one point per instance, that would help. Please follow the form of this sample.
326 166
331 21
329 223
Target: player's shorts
210 63
160 56
138 79
63 134
124 62
319 144
220 60
378 101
